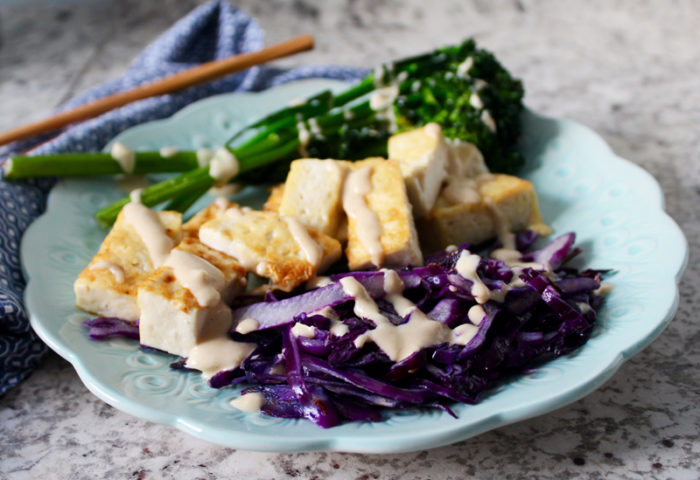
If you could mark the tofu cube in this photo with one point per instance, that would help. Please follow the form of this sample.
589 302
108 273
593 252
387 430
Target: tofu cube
313 193
387 199
466 211
274 200
172 320
281 249
107 286
422 155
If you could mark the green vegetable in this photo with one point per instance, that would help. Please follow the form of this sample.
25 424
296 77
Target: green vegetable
461 87
92 164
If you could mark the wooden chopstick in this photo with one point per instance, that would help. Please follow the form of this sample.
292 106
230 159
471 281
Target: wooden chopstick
193 76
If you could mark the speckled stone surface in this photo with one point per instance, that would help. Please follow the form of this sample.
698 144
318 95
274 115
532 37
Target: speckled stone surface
629 70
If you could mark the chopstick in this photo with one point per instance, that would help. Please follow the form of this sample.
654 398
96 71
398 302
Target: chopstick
187 78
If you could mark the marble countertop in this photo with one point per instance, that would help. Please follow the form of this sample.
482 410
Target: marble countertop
626 69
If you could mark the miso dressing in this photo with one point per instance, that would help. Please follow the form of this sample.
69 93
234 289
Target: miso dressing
219 353
247 325
466 266
223 167
312 250
200 277
152 233
369 230
116 271
250 402
124 156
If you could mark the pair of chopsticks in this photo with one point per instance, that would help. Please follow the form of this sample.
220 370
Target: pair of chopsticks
187 78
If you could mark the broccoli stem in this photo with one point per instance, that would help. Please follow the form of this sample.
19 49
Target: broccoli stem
92 164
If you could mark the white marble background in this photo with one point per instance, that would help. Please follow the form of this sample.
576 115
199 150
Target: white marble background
627 69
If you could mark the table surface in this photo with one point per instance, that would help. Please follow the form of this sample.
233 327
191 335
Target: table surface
627 69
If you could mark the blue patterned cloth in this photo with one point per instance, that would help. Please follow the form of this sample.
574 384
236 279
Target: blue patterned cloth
213 31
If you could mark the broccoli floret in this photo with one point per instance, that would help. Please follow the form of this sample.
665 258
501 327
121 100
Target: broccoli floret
474 99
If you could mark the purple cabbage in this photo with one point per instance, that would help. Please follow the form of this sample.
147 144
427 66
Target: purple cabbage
328 380
107 327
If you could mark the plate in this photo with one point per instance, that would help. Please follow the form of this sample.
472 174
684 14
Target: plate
615 207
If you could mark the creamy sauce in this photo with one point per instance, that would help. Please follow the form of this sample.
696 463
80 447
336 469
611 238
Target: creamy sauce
135 195
337 328
605 289
303 330
247 325
475 101
317 282
223 167
503 231
219 353
124 156
397 341
167 152
312 250
315 128
461 190
249 403
476 314
488 120
116 270
480 84
151 231
433 130
383 98
368 228
204 156
462 334
464 67
200 277
467 263
304 139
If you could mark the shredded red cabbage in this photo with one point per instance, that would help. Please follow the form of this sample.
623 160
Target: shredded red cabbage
546 312
106 327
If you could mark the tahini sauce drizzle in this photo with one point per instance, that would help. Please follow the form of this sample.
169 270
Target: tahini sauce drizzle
397 341
466 266
312 250
369 230
152 233
223 167
124 156
249 403
200 277
116 270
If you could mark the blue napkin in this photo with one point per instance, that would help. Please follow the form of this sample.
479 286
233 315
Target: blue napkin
212 31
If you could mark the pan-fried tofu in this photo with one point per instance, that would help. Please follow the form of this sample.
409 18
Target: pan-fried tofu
464 160
281 249
107 286
381 231
173 318
274 200
191 227
469 210
313 193
422 155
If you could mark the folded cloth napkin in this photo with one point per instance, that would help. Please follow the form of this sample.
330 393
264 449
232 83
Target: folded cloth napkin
212 31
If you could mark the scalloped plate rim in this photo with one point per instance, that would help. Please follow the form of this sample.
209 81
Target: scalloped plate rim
444 435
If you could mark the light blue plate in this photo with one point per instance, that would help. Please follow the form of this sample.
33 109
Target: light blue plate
615 207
